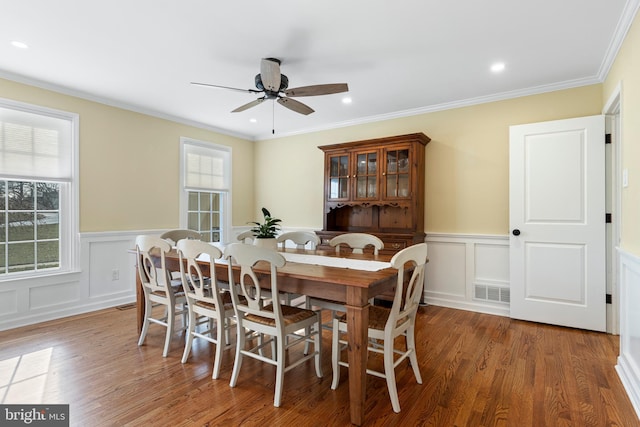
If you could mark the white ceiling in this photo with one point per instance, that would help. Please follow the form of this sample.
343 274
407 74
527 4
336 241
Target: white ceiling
399 57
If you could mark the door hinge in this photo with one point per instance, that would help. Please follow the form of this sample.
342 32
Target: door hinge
607 218
608 298
607 138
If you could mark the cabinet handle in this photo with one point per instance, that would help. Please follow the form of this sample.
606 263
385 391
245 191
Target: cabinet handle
384 173
396 246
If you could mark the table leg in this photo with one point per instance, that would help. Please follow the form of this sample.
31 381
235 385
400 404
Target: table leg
357 323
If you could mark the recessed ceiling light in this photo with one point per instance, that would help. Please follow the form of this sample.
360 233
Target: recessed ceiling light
253 120
20 45
497 67
346 100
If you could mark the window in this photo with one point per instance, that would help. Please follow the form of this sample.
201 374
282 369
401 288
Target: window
206 184
38 225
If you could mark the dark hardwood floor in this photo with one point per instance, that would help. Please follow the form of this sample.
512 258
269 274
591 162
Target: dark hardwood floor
478 370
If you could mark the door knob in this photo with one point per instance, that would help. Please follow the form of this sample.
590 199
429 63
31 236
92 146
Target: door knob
516 232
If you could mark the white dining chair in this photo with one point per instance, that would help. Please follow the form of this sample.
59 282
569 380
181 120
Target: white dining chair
357 242
299 238
268 316
178 234
158 288
208 304
173 236
246 236
385 324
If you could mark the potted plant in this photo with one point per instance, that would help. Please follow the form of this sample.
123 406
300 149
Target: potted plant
265 233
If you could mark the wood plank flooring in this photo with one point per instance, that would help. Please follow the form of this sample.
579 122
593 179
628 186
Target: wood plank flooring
477 370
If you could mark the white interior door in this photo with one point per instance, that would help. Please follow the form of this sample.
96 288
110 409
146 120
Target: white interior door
557 220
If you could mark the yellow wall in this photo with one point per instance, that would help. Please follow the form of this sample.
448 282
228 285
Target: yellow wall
626 73
129 163
467 161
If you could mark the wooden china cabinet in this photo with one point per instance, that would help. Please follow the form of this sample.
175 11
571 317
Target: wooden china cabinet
375 186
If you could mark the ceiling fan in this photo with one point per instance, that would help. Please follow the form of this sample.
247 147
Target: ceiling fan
275 85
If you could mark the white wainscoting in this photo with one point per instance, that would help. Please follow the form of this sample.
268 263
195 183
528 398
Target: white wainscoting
468 272
628 366
459 267
106 279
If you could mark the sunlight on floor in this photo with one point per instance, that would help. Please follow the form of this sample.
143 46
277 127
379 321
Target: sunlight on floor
23 378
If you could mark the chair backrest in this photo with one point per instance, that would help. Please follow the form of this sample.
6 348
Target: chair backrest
407 296
178 234
248 283
153 277
357 242
246 235
300 238
194 282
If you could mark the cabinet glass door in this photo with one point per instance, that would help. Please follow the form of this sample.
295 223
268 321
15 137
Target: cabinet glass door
397 183
339 177
366 175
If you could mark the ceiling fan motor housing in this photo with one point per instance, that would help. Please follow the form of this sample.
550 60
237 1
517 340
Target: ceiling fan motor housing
284 83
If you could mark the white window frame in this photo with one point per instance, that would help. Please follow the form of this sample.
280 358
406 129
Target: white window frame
69 196
225 193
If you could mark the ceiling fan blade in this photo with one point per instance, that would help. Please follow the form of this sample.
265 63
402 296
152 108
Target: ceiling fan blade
226 87
317 89
296 106
248 105
270 74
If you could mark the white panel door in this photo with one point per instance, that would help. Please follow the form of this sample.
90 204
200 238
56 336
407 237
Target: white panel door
557 222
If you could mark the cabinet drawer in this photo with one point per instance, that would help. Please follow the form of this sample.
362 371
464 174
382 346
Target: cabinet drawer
395 245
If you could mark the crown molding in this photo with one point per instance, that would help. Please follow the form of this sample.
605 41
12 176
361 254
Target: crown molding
117 104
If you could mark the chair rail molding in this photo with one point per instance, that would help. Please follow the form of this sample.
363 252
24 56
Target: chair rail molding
468 272
628 366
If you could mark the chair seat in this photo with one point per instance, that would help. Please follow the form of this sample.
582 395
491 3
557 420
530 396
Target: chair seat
163 294
226 302
378 317
290 315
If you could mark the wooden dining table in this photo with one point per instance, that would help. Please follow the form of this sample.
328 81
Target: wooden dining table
353 287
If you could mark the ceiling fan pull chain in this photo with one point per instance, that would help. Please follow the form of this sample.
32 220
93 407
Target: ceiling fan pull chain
273 117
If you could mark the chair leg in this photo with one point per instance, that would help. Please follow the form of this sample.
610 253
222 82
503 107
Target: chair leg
189 340
240 343
317 346
220 345
171 314
279 373
185 315
307 305
274 344
145 324
227 329
413 359
260 342
390 375
335 354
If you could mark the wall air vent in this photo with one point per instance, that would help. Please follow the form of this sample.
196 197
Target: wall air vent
492 293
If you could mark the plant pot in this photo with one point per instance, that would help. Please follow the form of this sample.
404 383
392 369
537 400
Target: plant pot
269 243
